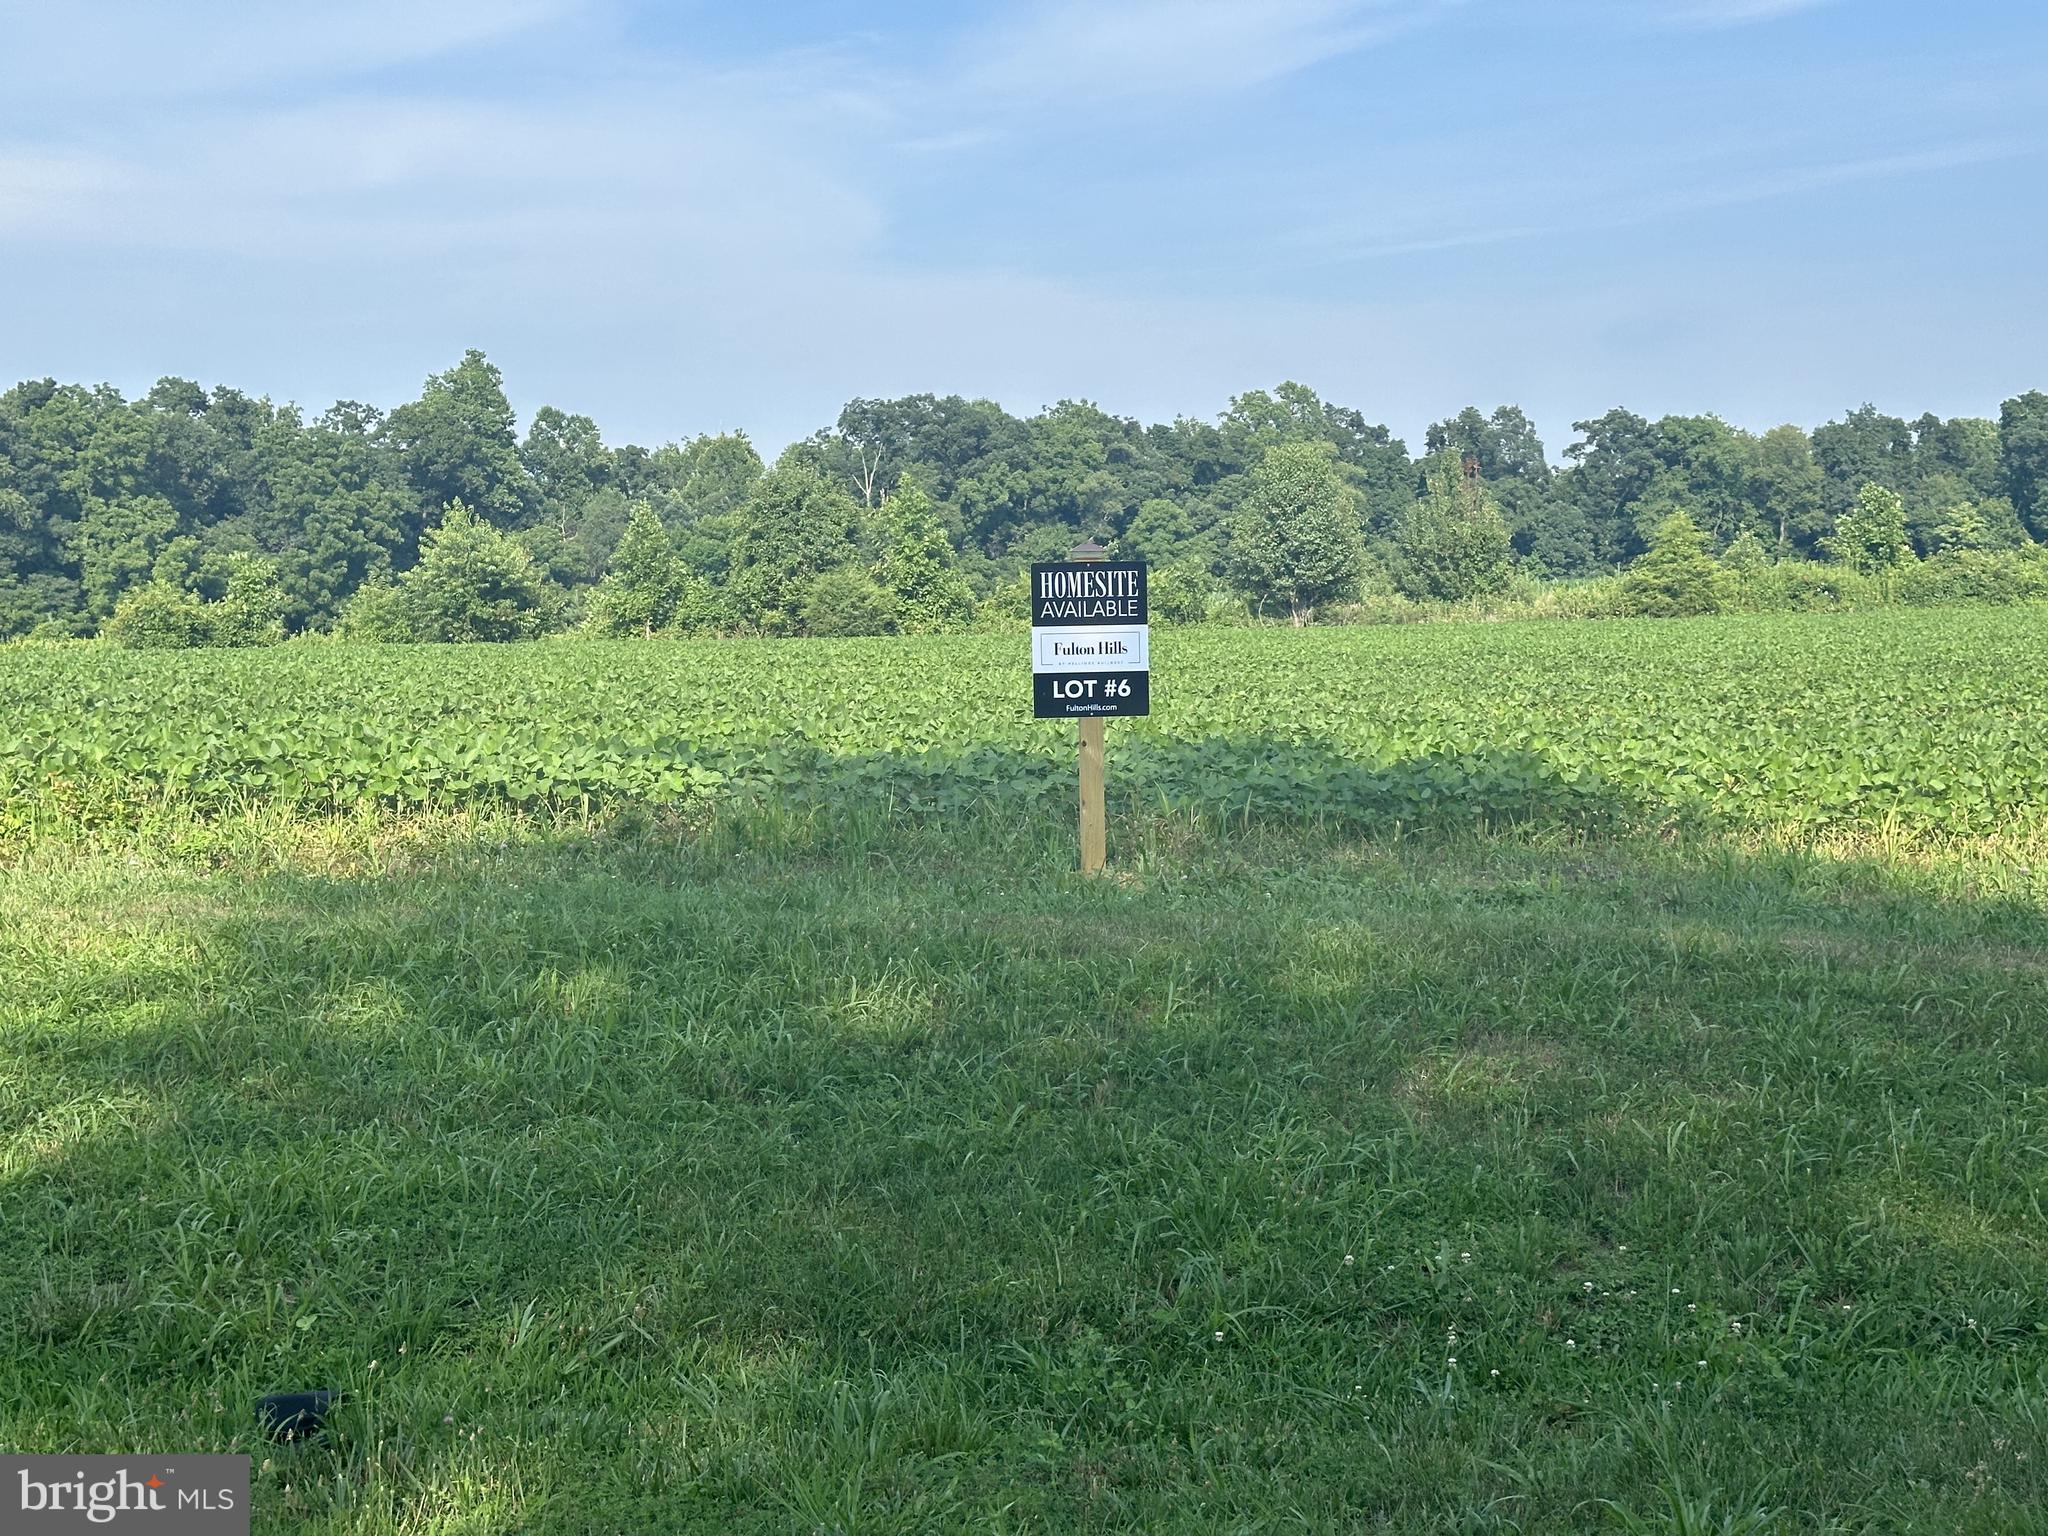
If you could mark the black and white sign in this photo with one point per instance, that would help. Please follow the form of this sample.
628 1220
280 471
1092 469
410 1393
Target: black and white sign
1091 645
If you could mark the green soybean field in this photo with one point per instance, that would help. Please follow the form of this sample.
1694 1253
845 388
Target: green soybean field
1928 722
1512 1078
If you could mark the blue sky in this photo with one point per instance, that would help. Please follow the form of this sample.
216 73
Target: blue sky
688 217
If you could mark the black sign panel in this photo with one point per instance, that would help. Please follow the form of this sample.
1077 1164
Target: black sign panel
1078 695
1096 596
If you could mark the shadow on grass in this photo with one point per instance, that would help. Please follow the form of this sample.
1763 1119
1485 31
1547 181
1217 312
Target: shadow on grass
849 1171
1253 780
1249 780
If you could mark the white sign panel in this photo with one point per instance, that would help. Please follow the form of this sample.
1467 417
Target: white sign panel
1123 648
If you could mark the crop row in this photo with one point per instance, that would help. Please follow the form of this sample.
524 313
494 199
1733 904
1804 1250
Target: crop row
1931 721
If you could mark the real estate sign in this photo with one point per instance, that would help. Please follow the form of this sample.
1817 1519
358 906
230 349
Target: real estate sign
1091 648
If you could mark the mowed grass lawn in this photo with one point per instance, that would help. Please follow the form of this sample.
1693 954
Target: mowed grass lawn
848 1173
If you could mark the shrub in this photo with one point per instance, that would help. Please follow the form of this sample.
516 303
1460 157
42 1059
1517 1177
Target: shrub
1675 577
702 606
1870 537
1804 587
916 565
474 583
1965 575
1179 594
375 612
844 602
160 617
640 592
1589 597
251 613
1452 543
1005 608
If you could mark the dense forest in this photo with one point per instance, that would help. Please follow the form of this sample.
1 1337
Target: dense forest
207 516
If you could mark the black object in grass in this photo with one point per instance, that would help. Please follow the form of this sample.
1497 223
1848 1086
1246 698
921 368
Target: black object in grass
294 1415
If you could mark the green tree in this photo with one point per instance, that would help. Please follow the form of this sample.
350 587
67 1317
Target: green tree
1787 489
1613 466
793 527
2023 446
1066 469
916 564
1373 462
1551 533
338 512
1865 447
1676 576
1870 537
118 543
1705 471
457 443
1161 532
474 582
698 489
640 592
1296 543
1962 526
567 462
1453 543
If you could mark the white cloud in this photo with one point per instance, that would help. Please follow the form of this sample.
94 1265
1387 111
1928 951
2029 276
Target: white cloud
1727 13
100 50
44 189
758 161
1137 48
1622 198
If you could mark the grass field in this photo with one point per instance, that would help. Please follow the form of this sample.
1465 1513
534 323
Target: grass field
1622 1158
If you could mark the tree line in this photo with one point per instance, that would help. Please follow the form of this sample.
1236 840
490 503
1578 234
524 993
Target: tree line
197 516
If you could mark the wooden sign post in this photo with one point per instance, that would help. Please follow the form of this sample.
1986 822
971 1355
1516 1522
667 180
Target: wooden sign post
1090 660
1094 810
